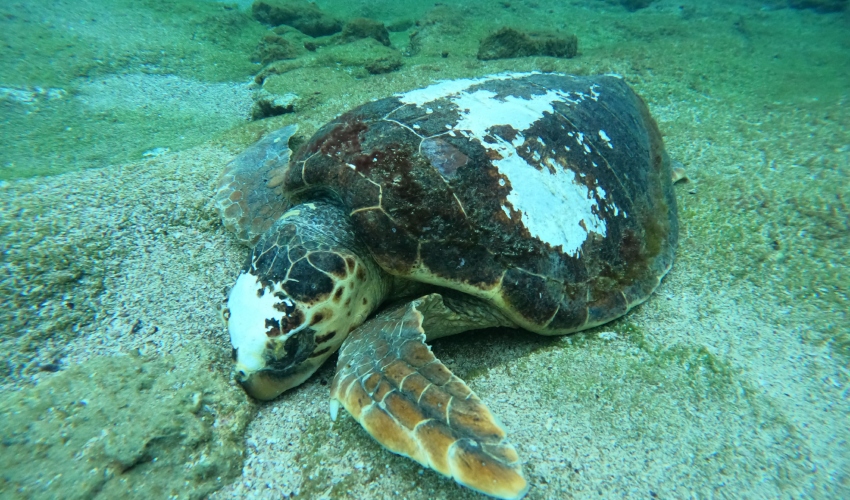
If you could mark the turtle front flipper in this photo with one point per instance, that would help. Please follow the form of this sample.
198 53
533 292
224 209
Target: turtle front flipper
249 196
390 382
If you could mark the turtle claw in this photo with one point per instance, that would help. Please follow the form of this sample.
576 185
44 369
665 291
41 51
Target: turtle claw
389 381
334 408
678 172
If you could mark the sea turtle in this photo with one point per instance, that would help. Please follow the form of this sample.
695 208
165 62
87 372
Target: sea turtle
526 200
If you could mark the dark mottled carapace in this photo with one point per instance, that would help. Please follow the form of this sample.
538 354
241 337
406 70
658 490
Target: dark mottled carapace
549 195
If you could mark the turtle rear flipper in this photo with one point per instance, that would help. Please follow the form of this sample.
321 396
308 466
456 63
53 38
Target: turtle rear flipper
390 382
249 197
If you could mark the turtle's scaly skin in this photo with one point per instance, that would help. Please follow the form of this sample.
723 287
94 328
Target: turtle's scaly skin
249 196
536 201
389 381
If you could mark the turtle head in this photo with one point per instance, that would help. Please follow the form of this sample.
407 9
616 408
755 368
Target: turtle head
297 298
278 342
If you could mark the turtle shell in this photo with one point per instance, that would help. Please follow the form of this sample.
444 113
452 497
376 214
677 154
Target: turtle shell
549 195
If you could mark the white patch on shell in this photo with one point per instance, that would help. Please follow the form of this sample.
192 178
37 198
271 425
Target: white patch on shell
247 322
539 195
536 194
604 137
446 88
580 139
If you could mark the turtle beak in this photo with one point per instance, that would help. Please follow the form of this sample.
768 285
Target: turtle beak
266 384
258 385
284 365
269 383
